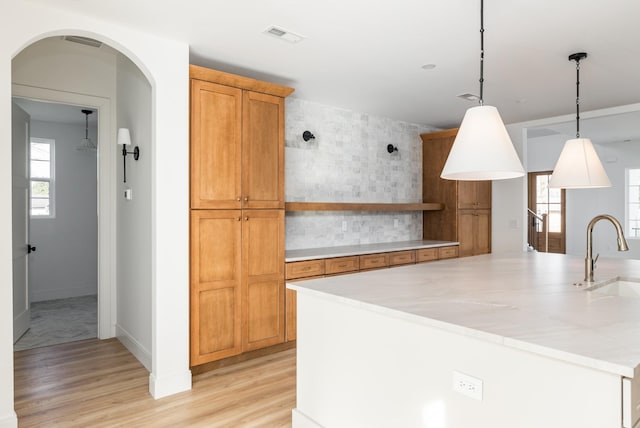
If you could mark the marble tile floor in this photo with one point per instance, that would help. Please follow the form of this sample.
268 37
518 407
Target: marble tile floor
60 321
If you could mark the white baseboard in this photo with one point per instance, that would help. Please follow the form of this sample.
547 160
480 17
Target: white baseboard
300 420
61 293
140 352
164 386
9 420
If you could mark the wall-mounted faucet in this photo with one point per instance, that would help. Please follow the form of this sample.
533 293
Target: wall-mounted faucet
589 263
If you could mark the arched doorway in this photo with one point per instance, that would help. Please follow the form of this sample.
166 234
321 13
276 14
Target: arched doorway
164 63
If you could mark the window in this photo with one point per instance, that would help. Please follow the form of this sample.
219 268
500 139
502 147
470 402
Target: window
633 203
41 169
548 201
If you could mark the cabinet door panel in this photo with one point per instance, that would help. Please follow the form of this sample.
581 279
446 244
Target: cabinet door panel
263 312
215 285
216 137
483 194
263 151
467 195
466 230
263 278
217 321
483 232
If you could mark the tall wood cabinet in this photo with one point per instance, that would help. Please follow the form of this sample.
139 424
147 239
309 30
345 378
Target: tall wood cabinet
466 217
237 214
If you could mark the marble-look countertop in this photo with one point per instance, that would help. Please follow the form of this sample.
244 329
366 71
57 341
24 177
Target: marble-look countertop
525 301
356 250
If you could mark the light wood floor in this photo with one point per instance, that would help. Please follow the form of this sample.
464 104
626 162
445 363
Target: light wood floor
96 383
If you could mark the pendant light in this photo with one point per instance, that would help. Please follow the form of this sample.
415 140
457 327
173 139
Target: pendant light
86 144
578 166
482 149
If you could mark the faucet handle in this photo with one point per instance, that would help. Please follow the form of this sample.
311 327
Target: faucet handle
595 260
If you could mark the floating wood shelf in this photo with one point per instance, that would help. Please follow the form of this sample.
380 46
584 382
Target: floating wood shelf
355 206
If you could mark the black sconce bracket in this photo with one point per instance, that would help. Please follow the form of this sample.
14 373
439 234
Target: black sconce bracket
307 135
136 156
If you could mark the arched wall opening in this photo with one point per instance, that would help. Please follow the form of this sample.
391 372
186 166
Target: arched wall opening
164 64
57 69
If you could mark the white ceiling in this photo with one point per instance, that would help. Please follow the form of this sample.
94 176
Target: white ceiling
366 55
57 113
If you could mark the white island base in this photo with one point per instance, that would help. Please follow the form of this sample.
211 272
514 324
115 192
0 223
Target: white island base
364 365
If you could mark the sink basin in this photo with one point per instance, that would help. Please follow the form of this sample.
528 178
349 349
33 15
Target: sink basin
617 287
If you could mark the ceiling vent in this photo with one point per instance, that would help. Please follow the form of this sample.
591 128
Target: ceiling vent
469 97
83 41
283 34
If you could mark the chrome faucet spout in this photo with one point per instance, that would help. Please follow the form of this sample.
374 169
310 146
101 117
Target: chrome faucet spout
589 263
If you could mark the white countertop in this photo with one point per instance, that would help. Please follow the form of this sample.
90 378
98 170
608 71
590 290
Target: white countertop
525 301
355 250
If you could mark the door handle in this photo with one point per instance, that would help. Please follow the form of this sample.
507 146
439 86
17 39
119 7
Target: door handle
30 249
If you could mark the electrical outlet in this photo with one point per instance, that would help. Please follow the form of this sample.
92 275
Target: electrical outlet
344 226
467 385
395 223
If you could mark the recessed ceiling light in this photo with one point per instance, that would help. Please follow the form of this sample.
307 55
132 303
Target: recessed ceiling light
428 66
469 97
282 34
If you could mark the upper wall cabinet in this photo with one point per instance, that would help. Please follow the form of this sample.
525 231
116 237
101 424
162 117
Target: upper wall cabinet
216 141
262 151
237 141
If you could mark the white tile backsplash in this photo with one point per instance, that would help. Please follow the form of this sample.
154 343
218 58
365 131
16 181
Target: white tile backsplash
348 162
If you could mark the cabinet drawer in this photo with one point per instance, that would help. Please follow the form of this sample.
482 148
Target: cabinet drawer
374 261
304 269
426 254
341 264
402 258
447 252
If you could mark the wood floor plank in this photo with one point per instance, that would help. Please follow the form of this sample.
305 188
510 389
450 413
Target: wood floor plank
100 384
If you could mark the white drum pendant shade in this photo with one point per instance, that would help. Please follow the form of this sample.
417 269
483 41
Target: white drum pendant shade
579 167
482 149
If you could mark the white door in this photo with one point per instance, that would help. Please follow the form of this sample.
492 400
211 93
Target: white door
20 214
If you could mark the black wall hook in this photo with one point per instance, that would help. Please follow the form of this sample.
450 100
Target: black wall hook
391 148
307 135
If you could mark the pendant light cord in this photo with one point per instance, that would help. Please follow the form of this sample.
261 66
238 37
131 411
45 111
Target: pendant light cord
86 126
577 98
481 51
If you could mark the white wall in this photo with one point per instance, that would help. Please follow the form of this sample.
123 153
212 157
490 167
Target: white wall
134 228
348 162
508 197
584 204
65 262
165 63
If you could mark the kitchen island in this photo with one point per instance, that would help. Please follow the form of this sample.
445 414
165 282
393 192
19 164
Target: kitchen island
520 344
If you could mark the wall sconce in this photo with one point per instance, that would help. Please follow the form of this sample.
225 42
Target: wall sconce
391 148
124 139
307 135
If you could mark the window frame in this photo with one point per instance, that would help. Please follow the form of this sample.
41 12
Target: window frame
627 205
51 180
